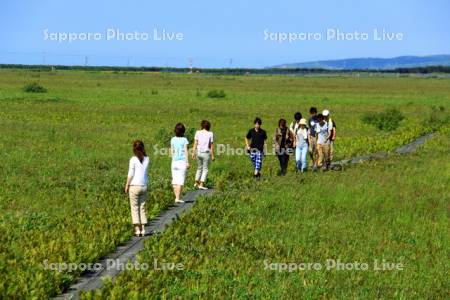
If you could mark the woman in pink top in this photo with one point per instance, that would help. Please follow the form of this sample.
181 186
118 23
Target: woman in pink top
203 150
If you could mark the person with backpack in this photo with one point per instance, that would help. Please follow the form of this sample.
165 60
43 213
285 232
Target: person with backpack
295 124
312 140
255 142
301 145
332 127
323 134
284 141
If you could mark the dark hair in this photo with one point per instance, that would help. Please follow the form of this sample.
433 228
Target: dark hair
320 117
179 130
257 121
282 123
139 150
298 116
313 110
205 125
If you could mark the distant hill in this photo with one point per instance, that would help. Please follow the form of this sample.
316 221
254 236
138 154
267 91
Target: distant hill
373 63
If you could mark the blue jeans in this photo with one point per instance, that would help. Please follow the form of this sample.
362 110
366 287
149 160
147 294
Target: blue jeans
300 156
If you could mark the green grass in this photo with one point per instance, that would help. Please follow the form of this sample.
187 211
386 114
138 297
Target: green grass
393 210
65 153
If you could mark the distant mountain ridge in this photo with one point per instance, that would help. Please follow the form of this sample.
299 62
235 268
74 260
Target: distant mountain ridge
373 63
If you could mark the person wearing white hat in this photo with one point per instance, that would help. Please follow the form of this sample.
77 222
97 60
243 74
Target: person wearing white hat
332 128
301 145
323 143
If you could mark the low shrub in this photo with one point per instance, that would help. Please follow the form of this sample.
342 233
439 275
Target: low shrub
438 117
34 87
190 134
387 120
163 135
216 94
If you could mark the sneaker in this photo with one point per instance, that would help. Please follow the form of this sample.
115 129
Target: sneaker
179 201
202 188
143 232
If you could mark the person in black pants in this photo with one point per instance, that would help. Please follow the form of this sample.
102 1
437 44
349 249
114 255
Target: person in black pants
283 140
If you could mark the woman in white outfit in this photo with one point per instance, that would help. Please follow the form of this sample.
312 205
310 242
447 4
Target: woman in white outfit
301 145
180 162
136 186
203 150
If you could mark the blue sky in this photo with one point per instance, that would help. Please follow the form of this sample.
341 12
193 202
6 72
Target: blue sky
217 34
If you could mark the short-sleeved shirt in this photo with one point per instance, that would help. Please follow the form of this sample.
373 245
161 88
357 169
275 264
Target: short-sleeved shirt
302 137
177 144
204 140
312 125
322 133
257 138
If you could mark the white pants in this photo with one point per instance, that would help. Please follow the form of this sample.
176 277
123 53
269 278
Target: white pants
203 159
178 172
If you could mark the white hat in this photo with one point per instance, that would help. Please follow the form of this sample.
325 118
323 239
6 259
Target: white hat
326 112
302 122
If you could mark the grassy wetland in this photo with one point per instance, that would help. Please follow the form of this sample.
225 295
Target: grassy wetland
65 153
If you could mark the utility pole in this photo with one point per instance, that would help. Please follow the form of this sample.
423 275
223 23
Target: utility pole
191 62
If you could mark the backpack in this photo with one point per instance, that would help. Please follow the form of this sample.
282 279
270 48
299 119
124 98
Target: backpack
332 128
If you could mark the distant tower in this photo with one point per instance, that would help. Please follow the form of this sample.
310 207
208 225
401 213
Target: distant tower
230 63
86 60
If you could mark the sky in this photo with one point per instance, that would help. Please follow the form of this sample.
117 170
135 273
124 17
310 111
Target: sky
232 33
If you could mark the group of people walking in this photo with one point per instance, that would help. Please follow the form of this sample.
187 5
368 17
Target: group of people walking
137 179
314 137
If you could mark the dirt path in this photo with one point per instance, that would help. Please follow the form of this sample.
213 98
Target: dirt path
129 250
